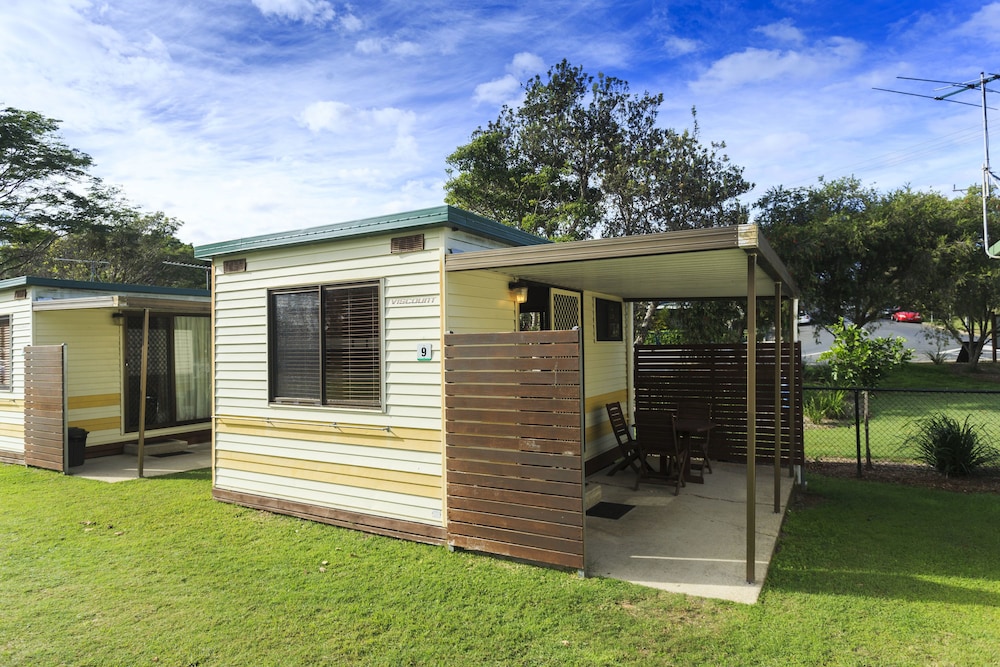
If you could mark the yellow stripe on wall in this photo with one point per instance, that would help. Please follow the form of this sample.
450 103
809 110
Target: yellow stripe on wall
102 424
393 481
12 431
94 401
407 439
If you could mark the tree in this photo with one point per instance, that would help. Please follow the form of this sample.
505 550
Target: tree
43 185
854 252
960 283
861 362
584 156
124 245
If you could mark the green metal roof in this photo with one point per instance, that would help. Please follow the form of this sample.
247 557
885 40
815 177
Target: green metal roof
32 281
439 216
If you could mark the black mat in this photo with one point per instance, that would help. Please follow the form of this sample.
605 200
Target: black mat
166 454
609 510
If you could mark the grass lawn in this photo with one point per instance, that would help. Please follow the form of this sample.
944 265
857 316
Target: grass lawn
895 417
154 572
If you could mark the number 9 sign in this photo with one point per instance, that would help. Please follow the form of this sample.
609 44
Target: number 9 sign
425 351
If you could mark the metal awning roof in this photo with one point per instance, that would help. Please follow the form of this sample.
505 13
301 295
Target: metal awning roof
689 264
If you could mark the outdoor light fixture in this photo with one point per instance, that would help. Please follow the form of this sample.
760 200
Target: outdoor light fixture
518 292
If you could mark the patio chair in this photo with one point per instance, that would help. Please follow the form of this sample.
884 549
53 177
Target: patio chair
658 438
623 434
697 415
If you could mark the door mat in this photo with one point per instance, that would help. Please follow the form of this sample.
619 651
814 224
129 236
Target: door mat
609 510
166 454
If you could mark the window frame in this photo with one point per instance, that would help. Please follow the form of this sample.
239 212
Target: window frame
6 352
604 312
325 293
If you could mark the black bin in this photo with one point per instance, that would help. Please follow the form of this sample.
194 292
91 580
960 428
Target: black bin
77 446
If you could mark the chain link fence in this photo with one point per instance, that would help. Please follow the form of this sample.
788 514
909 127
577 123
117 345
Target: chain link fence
884 427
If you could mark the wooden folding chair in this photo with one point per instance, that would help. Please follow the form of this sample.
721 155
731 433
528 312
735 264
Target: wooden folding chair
658 438
623 434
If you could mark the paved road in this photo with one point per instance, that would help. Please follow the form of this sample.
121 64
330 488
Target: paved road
919 338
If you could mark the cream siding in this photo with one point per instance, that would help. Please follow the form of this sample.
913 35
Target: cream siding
605 377
387 462
12 400
479 302
93 368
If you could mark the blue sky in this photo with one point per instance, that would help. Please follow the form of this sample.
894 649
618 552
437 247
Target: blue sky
244 117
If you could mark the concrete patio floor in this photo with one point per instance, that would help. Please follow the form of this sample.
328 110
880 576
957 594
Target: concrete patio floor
692 543
122 467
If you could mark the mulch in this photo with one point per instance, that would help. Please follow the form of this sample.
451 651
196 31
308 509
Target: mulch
910 475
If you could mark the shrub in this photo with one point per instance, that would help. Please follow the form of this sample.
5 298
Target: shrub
827 404
951 448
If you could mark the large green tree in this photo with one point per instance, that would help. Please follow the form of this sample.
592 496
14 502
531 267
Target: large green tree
855 251
123 244
582 157
960 284
44 188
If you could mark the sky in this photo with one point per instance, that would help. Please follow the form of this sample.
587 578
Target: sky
247 117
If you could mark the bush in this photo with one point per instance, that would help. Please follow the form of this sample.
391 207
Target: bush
826 404
951 448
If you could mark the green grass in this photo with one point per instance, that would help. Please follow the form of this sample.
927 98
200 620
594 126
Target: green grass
895 417
154 572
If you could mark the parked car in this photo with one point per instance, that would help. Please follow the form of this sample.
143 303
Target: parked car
907 316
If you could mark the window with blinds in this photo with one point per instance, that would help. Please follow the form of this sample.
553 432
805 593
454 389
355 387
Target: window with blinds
326 345
6 353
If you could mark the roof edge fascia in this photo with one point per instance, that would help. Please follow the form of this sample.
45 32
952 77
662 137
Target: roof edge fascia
438 216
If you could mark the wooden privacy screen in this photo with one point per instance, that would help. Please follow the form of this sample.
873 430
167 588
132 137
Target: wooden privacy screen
666 375
44 407
513 445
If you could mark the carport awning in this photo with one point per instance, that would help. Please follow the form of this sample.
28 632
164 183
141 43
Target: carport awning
689 264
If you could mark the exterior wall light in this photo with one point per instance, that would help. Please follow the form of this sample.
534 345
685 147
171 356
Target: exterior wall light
518 292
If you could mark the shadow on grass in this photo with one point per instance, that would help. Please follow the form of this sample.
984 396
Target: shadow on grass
202 474
881 585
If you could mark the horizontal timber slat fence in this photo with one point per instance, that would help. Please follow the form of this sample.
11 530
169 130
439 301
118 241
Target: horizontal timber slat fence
668 375
513 444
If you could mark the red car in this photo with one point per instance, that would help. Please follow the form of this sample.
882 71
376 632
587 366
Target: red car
907 316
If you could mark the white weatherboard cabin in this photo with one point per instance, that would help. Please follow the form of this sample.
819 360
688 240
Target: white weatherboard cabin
440 377
70 358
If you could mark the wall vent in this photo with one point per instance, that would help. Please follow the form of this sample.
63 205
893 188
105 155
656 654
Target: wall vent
407 243
21 294
234 266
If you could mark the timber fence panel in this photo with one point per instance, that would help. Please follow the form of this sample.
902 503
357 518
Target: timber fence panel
45 407
513 443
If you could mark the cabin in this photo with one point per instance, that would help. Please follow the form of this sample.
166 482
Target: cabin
437 376
71 361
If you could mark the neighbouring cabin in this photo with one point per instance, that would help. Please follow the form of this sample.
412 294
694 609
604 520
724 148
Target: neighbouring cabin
375 374
71 358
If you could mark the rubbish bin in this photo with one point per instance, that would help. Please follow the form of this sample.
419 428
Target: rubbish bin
77 446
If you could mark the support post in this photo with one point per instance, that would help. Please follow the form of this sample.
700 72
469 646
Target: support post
751 416
142 389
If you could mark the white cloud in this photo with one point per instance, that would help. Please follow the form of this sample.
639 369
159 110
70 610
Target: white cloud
984 24
351 23
372 46
505 89
497 91
679 46
307 11
757 65
783 31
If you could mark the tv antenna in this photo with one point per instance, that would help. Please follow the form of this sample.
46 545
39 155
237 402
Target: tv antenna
989 178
